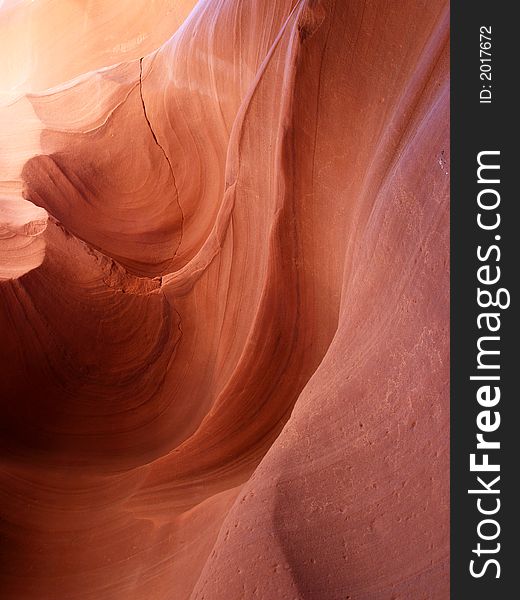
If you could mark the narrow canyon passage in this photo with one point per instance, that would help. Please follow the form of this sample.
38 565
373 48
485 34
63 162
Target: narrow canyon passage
224 240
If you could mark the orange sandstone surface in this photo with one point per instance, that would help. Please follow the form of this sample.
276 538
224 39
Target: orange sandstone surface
224 300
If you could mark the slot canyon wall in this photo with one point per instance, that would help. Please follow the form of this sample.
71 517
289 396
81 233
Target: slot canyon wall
224 285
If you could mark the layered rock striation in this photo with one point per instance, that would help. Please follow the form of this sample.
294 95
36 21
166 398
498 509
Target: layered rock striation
224 300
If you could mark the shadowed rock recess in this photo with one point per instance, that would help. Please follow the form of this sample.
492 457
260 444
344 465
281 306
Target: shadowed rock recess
224 300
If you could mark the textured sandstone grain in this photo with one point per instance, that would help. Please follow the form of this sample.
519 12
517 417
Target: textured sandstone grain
224 300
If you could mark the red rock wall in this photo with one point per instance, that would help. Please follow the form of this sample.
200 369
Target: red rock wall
224 301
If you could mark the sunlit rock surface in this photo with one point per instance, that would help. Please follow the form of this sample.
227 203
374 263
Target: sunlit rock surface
224 300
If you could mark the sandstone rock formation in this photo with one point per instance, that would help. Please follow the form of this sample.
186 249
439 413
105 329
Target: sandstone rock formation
224 300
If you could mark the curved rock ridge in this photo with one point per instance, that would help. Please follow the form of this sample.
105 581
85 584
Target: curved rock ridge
224 300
